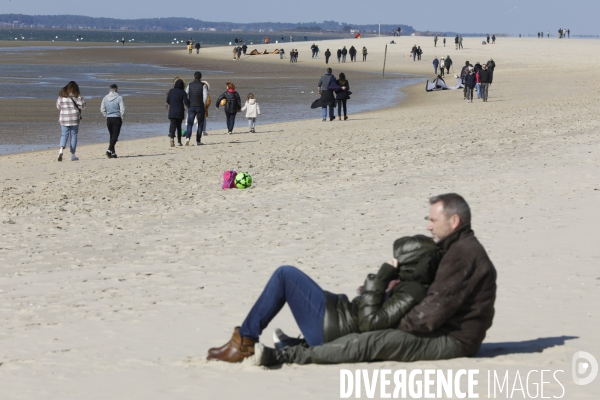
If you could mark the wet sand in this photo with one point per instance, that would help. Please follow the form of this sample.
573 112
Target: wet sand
118 275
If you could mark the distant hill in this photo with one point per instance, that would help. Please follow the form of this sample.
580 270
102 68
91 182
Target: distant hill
177 24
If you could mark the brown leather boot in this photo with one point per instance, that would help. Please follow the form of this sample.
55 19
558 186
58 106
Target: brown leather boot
235 351
339 117
217 350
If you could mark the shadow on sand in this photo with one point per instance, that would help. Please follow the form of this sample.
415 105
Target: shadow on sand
490 350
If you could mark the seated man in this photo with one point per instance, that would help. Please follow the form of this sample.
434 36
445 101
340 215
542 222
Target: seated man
449 322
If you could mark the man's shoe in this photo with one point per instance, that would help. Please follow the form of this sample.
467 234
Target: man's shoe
324 119
187 141
199 143
113 155
281 340
345 117
172 142
230 132
253 131
268 357
179 144
339 117
74 157
59 156
108 154
235 351
205 133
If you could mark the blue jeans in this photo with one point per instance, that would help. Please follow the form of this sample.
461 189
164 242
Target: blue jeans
478 88
192 113
72 132
305 298
324 112
230 121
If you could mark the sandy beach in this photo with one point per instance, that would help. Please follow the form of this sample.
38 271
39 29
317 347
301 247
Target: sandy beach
118 275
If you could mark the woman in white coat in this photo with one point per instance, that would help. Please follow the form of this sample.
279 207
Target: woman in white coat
252 111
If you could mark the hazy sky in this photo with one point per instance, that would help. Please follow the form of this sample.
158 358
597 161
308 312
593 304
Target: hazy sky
491 16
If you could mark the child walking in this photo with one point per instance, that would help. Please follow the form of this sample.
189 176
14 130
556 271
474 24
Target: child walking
252 111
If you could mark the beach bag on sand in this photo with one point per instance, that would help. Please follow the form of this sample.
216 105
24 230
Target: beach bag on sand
229 179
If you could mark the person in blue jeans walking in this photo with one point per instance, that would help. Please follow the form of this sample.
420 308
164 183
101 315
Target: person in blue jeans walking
231 102
197 94
70 103
434 300
327 99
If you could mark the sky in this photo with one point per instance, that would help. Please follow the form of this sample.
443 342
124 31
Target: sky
481 16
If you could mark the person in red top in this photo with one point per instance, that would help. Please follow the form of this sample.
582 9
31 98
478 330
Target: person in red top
478 84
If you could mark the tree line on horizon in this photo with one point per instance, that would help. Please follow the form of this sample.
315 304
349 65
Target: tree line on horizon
177 24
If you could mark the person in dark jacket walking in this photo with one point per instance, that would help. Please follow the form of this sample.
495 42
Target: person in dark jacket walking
342 94
197 47
339 55
344 53
448 64
436 64
197 93
414 52
327 55
445 319
470 82
419 53
486 80
364 53
177 100
231 102
352 52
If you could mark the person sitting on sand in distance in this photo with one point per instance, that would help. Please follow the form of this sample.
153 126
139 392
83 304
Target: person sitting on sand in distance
440 310
70 103
177 101
230 100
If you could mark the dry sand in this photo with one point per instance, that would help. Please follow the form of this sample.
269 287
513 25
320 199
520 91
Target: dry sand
118 275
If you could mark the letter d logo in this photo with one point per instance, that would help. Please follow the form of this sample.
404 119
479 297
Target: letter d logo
583 363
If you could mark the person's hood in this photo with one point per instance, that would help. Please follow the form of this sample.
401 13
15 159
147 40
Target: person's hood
179 84
112 96
252 101
207 85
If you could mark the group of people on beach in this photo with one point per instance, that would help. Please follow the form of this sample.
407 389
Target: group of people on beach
193 100
477 78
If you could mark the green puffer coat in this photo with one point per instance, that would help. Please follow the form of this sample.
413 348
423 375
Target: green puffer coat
418 258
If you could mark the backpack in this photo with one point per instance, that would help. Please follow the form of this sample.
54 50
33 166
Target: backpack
229 179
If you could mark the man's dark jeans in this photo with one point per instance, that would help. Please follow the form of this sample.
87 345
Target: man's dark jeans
192 113
114 129
304 297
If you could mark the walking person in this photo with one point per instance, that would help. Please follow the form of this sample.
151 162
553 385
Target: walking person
113 109
456 43
463 77
470 82
339 55
342 94
206 106
486 80
252 112
197 47
436 63
352 52
442 66
435 39
448 64
344 53
413 51
488 38
230 100
494 39
419 53
460 42
364 53
478 79
327 99
177 100
70 103
327 55
312 49
190 47
197 95
444 42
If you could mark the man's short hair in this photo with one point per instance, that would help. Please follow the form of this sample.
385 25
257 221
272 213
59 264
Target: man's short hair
114 87
453 204
329 70
197 75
